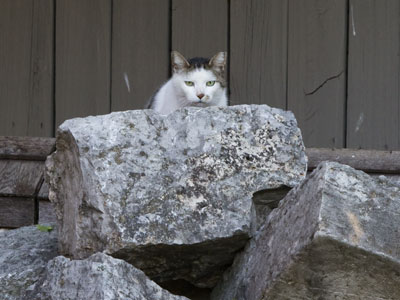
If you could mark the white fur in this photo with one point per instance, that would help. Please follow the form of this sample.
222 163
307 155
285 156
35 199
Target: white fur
175 93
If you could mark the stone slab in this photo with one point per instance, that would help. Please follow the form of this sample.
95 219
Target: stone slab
170 194
336 236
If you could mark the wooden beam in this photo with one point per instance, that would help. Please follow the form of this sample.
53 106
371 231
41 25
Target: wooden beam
26 148
370 161
44 192
16 212
20 177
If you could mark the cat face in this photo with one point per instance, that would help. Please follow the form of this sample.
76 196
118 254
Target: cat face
199 80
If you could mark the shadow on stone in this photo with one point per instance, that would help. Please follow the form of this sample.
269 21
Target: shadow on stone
183 288
266 200
202 263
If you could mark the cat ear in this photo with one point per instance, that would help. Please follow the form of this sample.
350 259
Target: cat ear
218 61
178 62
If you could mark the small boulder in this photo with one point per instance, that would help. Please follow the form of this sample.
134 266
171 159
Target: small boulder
99 277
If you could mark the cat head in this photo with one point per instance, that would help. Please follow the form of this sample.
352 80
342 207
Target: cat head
201 80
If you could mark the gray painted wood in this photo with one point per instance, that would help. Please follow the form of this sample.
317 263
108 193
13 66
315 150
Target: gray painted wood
26 148
83 45
20 177
26 60
47 214
373 93
371 161
199 28
317 69
16 212
44 192
258 52
316 52
140 50
41 105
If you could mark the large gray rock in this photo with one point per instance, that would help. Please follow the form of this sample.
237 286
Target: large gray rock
336 236
170 194
24 253
99 277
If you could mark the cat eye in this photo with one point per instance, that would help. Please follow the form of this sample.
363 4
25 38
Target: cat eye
189 83
210 83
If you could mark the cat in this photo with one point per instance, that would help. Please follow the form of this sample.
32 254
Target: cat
196 82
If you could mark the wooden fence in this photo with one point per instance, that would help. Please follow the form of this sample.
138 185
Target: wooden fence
23 191
334 63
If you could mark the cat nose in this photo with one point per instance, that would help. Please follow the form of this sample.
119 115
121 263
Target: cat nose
200 96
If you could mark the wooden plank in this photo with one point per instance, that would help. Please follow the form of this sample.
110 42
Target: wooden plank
26 148
16 212
373 94
140 51
20 178
44 191
47 213
317 70
83 45
15 43
41 102
26 60
370 161
199 28
258 52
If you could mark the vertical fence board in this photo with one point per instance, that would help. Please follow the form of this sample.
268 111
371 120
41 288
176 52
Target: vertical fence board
258 51
41 104
26 60
83 45
373 93
140 51
15 39
317 69
199 28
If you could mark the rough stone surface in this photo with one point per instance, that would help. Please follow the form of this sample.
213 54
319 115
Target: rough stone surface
24 253
170 194
336 236
99 277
